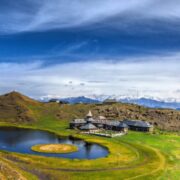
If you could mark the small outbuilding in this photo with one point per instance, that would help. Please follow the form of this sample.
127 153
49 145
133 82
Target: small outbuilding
116 126
138 125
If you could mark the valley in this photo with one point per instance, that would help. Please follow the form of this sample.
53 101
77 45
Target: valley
136 155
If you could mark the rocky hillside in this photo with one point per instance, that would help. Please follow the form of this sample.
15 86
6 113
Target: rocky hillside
18 108
162 118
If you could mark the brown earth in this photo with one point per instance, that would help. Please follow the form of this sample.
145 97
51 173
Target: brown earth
54 148
15 107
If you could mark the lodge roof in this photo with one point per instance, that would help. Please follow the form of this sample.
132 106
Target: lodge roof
137 123
90 119
102 118
117 124
124 124
88 126
78 121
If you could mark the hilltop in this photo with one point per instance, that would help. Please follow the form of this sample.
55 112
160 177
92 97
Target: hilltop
17 108
14 107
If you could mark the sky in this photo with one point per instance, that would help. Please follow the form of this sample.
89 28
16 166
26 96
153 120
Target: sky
65 48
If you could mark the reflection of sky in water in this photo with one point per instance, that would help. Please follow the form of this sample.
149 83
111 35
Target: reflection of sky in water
21 140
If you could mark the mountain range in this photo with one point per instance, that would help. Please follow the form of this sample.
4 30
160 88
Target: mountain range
147 102
153 103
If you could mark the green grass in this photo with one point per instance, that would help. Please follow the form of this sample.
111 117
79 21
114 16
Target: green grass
137 155
169 146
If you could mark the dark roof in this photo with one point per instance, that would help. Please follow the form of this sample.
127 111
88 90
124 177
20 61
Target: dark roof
123 125
137 123
88 126
112 123
90 119
117 124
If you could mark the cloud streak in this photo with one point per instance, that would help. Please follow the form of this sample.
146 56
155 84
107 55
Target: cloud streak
94 50
158 78
44 15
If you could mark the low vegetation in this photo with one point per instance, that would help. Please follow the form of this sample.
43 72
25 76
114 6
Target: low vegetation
54 148
133 156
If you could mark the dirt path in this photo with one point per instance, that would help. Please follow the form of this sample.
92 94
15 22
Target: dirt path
103 169
161 166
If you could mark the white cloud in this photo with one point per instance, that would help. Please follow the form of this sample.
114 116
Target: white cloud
147 76
45 14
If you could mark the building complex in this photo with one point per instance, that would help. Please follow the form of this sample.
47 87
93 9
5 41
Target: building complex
101 123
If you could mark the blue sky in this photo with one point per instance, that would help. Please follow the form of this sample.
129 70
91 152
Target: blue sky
93 47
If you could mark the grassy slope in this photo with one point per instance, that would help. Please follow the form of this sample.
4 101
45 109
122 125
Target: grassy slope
10 171
168 144
158 154
156 148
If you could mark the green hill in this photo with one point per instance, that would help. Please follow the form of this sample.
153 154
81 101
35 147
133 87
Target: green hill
15 107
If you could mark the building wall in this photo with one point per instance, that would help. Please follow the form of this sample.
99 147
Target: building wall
144 129
75 125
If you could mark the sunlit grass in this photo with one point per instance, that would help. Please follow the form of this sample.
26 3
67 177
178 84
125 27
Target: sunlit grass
140 155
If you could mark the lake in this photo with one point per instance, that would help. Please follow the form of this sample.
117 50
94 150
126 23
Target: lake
21 140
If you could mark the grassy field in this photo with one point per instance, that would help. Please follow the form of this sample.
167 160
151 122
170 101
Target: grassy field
133 156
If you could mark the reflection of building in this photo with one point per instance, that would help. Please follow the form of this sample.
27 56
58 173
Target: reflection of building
92 125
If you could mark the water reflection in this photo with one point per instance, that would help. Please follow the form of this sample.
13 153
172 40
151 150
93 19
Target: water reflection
21 140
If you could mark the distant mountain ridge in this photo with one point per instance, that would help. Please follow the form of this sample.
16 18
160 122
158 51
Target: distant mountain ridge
139 101
153 103
80 99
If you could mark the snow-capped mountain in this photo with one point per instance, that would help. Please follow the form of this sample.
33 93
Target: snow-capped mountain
152 103
144 101
81 99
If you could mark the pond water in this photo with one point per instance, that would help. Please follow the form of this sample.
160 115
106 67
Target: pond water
21 141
